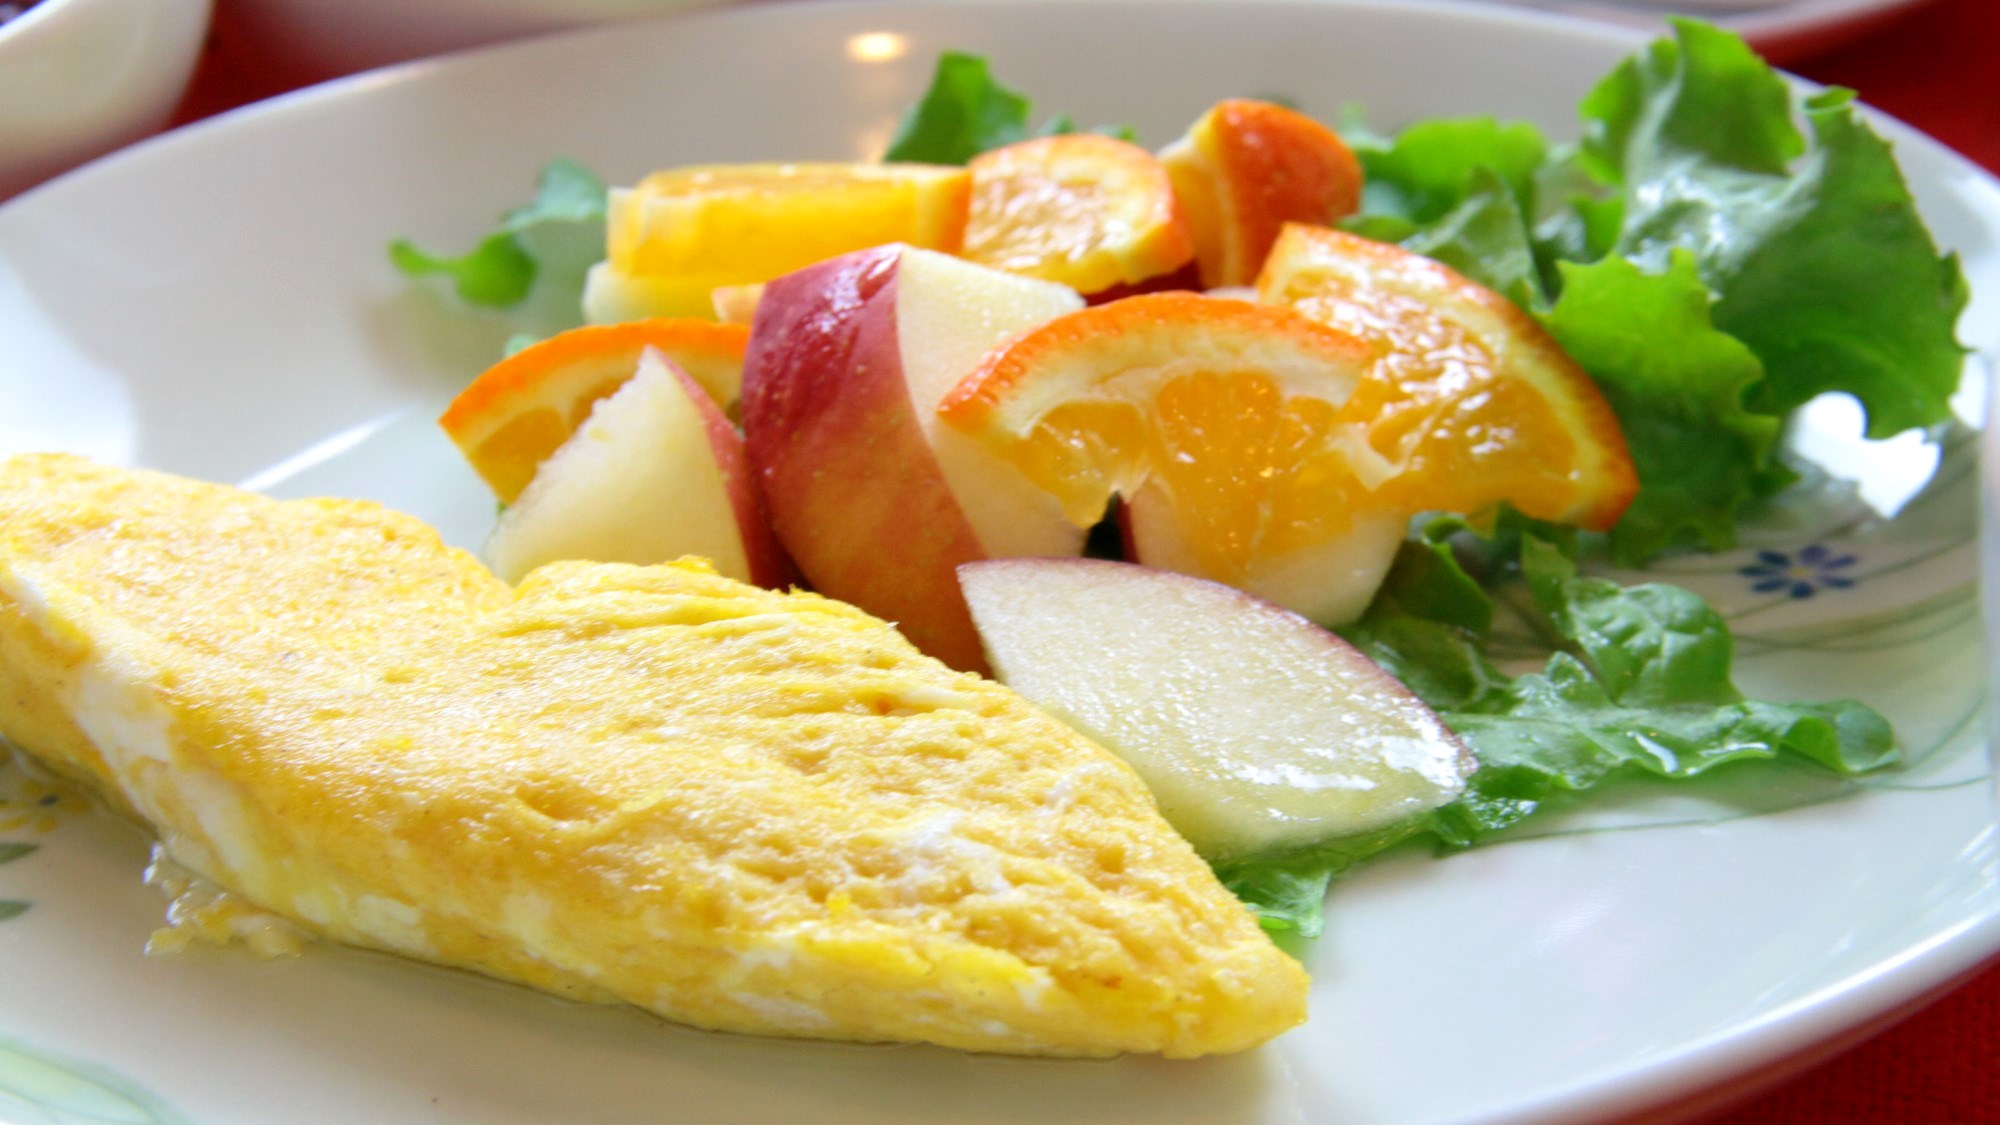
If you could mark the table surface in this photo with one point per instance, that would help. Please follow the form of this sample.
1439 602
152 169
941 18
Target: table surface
1934 68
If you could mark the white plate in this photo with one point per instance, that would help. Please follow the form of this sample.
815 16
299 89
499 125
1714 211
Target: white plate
218 303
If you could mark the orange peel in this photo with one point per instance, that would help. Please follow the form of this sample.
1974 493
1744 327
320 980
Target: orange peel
1470 402
521 410
1246 168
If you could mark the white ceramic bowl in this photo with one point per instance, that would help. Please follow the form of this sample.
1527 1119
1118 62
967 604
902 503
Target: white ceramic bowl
79 78
314 39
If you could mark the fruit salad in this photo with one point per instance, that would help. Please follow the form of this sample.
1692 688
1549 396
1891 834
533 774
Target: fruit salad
1297 379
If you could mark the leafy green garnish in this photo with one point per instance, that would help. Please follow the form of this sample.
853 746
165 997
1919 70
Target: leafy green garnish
1813 248
1677 384
501 270
1639 684
1430 168
1485 236
967 111
1712 267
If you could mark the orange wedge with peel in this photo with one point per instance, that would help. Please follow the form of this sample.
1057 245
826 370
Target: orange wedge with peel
1469 403
1245 169
728 224
1088 211
1223 410
522 409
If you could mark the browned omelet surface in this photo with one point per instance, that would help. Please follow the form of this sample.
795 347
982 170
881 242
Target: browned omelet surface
740 809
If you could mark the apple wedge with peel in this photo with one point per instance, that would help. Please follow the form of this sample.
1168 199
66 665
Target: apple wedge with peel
876 500
655 473
1257 730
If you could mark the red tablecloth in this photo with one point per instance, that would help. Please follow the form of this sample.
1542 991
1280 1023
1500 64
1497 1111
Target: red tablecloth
1938 69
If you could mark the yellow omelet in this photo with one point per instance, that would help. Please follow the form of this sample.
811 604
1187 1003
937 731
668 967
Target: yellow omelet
755 811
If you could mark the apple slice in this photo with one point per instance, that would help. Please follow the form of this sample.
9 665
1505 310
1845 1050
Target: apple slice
656 473
876 499
521 410
1257 730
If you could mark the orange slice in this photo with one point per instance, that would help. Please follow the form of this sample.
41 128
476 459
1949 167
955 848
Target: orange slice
613 297
511 418
730 224
1469 402
1227 407
1244 170
1085 210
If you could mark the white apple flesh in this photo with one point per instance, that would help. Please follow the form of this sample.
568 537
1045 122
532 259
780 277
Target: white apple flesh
655 473
1257 730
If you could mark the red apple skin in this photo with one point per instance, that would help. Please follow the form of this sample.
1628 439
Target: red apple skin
853 491
770 567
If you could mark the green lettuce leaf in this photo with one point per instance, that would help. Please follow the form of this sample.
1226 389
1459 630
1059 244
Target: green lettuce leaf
966 111
1813 246
1486 238
500 271
1678 385
1640 684
1432 167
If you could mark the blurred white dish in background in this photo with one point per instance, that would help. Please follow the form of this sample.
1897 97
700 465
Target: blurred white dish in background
79 78
321 38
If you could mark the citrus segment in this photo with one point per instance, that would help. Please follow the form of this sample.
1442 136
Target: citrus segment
1226 407
737 304
522 409
611 296
1244 170
729 224
1469 403
1084 210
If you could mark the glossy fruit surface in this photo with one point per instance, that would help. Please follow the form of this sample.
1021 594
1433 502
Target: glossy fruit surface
1089 211
1468 402
1244 170
522 409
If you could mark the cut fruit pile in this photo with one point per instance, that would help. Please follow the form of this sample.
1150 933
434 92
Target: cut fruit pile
943 365
946 377
679 235
1099 215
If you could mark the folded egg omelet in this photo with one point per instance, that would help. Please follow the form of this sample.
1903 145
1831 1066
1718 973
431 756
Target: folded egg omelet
740 809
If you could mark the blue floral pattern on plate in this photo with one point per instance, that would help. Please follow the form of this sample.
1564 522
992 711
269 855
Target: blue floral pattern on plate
1803 573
